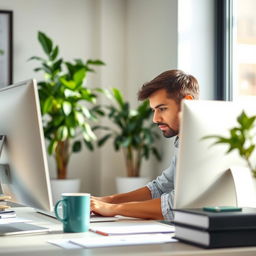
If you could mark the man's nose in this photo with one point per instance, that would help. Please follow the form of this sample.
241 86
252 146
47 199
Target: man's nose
156 117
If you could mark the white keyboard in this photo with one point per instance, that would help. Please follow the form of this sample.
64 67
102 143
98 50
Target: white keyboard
93 218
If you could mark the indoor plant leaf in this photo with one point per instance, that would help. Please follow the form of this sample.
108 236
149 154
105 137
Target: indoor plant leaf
45 42
64 119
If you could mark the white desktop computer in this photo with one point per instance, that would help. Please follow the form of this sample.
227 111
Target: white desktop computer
23 163
205 174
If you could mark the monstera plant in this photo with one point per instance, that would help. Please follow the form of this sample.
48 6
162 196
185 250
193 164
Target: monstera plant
67 106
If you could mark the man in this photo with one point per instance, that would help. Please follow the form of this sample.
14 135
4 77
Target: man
155 200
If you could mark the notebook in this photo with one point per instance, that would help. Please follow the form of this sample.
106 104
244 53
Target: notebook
129 228
20 228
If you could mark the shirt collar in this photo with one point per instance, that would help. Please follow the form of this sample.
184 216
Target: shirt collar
176 142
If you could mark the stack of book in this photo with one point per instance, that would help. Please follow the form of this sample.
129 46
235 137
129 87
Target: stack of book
5 211
216 229
7 214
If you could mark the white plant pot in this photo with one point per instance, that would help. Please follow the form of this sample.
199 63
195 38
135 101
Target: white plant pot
126 184
60 186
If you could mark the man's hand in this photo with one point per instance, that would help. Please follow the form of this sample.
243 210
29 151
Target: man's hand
100 207
141 194
150 209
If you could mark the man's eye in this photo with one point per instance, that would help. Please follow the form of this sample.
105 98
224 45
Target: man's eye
162 109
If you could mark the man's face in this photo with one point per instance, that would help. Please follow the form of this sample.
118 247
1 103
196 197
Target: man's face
166 112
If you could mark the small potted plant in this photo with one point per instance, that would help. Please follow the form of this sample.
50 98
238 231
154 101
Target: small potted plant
241 138
132 132
67 106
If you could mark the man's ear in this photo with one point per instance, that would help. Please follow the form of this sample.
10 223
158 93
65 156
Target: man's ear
188 97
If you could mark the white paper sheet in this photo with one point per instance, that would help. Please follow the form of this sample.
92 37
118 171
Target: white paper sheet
13 220
137 228
64 243
107 241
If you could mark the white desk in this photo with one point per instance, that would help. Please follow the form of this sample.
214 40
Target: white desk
37 245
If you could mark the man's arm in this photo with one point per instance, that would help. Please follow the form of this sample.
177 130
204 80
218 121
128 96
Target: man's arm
140 194
149 209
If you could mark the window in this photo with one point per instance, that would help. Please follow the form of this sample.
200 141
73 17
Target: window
244 48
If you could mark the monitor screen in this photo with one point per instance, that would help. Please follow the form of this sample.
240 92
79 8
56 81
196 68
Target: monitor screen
27 180
203 177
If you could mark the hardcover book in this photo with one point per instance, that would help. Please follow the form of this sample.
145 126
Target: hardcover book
199 218
216 239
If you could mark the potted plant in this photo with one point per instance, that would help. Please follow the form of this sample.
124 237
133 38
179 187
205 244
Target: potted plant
64 104
132 132
241 138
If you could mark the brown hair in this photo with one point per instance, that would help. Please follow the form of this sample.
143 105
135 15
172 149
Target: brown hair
177 83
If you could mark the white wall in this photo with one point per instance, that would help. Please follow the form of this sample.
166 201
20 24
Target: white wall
138 39
70 23
74 27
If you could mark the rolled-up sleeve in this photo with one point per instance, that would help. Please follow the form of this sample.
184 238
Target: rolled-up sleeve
167 205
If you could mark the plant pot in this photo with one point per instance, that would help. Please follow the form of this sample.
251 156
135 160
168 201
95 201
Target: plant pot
126 184
60 186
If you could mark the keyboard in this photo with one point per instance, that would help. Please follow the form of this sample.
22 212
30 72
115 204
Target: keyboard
93 218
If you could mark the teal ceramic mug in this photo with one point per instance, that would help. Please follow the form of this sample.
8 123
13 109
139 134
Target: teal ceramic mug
75 212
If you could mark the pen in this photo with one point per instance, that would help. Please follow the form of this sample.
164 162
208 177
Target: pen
99 232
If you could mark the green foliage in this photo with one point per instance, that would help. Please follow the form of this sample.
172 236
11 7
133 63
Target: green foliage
133 131
241 139
63 96
1 52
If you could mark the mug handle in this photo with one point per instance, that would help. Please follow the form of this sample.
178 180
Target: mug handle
64 204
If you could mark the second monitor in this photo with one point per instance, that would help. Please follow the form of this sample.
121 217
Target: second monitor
203 177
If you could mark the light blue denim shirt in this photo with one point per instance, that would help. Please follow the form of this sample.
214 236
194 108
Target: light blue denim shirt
163 186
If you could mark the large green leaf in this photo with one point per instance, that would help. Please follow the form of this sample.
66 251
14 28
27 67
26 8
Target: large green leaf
79 76
67 107
47 105
36 58
118 96
79 118
89 145
56 67
77 146
62 133
103 140
89 132
95 62
71 84
52 146
45 42
55 53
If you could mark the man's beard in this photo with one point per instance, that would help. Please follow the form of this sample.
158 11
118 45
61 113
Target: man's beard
170 132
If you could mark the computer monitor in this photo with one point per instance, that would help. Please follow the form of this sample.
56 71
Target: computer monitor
27 180
203 177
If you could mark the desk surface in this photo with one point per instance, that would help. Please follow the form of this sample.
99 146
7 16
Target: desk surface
37 244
